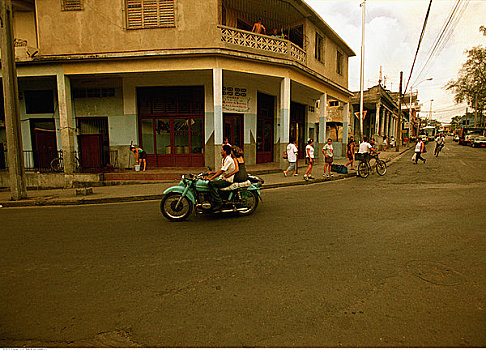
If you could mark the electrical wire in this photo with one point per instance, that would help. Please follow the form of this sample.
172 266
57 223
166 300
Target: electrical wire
419 43
443 37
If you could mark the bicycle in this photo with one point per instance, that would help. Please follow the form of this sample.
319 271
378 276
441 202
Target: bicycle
57 164
365 167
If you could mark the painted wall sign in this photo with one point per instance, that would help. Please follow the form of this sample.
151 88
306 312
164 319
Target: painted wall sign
235 99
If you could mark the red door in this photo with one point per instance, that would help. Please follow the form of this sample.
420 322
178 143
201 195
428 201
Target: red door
91 151
233 129
45 147
265 108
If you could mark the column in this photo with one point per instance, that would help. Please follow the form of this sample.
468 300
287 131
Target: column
377 117
284 131
387 123
345 128
66 123
322 121
218 114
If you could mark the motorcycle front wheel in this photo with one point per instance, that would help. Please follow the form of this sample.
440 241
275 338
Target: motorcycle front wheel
172 210
246 202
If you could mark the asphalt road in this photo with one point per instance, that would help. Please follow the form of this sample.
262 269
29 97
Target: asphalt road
393 261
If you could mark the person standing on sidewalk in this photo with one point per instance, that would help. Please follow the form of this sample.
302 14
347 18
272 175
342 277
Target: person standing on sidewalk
350 152
309 157
439 144
140 157
328 152
419 149
292 158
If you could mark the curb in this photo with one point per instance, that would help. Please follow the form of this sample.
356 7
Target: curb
84 201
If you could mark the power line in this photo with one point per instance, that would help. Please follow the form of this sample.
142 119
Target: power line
444 35
420 41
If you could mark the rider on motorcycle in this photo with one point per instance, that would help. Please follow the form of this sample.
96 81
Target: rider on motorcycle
221 178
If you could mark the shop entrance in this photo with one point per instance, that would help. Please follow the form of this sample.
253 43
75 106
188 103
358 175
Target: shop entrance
171 125
233 129
265 114
297 127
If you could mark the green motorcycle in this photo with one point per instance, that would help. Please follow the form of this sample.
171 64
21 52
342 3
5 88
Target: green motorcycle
192 193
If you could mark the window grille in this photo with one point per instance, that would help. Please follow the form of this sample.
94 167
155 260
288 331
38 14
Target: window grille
71 5
150 14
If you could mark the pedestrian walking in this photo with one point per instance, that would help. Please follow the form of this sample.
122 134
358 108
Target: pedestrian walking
292 157
385 143
419 149
350 152
309 157
439 144
328 152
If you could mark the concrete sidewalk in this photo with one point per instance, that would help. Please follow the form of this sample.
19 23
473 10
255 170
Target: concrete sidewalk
153 191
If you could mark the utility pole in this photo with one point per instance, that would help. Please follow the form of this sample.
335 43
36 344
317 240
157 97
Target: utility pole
476 111
361 81
410 118
11 103
399 123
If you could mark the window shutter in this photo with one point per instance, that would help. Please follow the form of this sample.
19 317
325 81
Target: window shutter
150 14
71 5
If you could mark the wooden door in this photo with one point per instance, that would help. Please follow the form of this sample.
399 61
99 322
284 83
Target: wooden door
233 129
45 148
91 151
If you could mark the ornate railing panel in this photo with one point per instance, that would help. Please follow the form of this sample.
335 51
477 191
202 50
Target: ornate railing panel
262 42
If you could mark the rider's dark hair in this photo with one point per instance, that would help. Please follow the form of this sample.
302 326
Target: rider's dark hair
227 149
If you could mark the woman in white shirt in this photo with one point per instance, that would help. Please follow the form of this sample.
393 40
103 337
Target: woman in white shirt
309 157
419 149
328 151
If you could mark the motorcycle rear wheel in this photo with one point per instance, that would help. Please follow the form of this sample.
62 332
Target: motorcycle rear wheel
169 208
247 202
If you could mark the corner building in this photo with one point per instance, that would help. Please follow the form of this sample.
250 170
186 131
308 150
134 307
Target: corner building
175 77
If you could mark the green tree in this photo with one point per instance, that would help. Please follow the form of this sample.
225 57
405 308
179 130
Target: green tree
470 86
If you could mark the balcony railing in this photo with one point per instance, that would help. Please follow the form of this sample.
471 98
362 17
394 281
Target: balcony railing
266 44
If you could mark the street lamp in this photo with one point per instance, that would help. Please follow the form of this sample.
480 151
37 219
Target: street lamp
410 111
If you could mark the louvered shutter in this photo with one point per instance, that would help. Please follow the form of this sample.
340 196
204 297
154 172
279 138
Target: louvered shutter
150 13
71 5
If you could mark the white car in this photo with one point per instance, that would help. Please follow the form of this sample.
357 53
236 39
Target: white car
478 141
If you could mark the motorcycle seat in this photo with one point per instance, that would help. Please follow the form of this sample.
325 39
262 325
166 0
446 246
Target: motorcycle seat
236 185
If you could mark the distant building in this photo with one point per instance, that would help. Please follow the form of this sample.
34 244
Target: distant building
380 109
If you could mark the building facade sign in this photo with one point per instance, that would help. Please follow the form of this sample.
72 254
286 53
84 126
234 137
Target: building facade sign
235 99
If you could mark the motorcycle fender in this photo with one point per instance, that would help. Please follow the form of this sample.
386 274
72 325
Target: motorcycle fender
254 187
180 189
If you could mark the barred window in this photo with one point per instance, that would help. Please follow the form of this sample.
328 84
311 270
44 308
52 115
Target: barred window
71 5
150 14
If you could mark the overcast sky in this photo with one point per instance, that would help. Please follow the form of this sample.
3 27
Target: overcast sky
392 32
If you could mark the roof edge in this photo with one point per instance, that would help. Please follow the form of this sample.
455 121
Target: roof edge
317 19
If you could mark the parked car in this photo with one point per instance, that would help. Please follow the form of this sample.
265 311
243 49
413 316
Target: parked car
456 138
478 141
468 139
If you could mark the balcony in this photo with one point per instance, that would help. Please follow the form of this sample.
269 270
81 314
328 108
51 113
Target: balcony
261 44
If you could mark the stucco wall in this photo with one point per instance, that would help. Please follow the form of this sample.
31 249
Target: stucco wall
328 65
67 32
